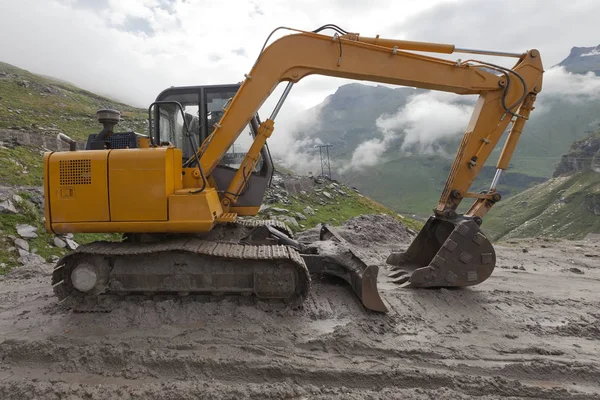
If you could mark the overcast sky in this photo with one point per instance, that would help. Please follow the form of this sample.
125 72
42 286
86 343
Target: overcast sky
132 49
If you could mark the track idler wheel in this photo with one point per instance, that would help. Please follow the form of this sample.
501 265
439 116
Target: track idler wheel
445 253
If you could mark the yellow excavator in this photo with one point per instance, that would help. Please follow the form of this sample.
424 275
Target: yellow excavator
180 194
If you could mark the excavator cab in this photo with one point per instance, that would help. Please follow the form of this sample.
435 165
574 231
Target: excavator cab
203 107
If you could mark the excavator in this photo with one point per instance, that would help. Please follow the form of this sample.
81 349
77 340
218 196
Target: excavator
183 198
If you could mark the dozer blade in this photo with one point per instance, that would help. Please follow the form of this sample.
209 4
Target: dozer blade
332 255
445 253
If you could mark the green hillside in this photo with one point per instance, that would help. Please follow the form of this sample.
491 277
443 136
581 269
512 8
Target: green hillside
559 208
35 103
567 206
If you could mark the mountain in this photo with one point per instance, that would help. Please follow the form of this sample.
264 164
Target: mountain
582 60
566 206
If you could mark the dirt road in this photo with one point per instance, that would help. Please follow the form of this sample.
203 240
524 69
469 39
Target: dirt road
531 331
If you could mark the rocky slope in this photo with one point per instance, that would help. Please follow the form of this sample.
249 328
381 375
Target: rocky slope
582 60
566 206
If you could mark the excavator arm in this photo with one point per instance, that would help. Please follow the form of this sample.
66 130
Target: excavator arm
296 56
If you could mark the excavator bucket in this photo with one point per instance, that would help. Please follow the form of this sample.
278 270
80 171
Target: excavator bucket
445 253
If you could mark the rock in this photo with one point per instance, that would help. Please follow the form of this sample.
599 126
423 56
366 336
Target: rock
308 210
16 198
576 271
54 259
58 242
7 207
263 207
31 259
328 195
340 191
281 210
301 216
71 244
21 244
27 231
22 252
289 220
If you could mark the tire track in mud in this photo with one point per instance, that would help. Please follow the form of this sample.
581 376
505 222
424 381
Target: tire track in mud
150 364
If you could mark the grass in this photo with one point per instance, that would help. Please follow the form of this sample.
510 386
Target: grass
339 209
21 166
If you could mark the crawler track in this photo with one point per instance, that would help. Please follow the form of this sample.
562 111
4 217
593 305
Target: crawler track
185 265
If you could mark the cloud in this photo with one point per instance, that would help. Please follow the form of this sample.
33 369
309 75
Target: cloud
133 49
551 26
432 116
573 87
426 118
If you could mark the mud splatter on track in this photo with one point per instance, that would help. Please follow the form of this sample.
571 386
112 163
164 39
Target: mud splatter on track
531 331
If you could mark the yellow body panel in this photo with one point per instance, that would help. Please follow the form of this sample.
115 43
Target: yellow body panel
200 207
77 183
244 210
140 180
139 227
128 190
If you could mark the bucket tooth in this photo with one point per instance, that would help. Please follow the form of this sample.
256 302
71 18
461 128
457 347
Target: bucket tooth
446 253
397 273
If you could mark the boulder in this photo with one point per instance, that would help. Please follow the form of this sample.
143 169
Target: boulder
289 220
328 195
21 244
31 259
308 210
71 244
27 231
7 207
58 242
281 210
16 198
300 216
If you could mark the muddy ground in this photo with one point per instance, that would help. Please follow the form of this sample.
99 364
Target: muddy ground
531 331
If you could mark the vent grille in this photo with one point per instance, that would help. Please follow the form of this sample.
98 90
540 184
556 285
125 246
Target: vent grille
75 172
